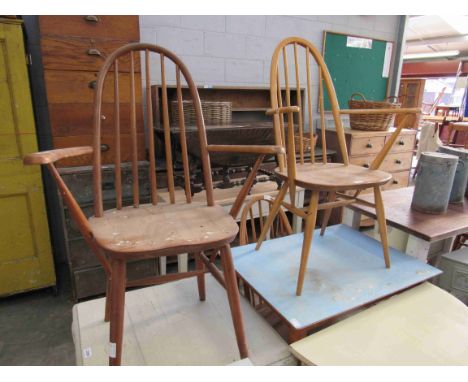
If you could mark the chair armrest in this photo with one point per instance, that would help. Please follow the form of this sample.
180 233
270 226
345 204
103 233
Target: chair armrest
409 110
50 156
283 110
248 149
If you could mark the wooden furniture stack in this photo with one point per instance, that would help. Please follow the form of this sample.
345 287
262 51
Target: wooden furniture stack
73 49
363 147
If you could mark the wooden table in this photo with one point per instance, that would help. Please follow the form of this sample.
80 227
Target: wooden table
346 272
421 235
422 326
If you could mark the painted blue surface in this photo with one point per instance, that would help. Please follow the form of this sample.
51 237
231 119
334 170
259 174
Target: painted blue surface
346 269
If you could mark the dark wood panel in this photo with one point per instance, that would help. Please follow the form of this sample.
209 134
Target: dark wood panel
71 119
77 87
74 53
108 154
110 27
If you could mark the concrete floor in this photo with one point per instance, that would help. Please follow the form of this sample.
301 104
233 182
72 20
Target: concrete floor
35 327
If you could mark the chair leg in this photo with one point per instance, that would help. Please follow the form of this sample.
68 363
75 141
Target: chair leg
201 278
308 235
327 213
108 299
118 281
271 216
380 212
234 299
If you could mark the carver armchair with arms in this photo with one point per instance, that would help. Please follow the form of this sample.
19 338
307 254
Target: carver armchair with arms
334 179
143 231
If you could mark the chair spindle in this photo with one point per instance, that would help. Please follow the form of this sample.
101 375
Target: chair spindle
149 119
117 159
136 198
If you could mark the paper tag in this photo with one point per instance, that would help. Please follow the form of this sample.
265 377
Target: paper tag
387 60
87 353
112 349
358 42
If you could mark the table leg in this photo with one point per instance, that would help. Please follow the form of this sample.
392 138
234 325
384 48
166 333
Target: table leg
352 218
162 265
297 220
182 262
418 248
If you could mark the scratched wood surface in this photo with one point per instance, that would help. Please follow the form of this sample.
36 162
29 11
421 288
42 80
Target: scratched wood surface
345 271
422 326
168 325
426 226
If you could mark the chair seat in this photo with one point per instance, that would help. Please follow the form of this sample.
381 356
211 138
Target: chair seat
336 176
164 229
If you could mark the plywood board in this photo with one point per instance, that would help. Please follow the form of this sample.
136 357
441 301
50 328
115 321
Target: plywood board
168 325
422 326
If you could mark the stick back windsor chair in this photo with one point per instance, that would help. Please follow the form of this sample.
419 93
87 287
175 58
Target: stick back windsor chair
332 178
156 229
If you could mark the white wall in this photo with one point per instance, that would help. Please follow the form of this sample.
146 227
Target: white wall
236 50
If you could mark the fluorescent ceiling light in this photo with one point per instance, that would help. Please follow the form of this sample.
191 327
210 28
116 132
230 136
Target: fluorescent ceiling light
417 56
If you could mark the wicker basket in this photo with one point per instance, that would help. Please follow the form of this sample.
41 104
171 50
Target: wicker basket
214 112
371 122
306 142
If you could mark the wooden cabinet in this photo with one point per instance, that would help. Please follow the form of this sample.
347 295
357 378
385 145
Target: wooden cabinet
73 49
363 147
411 94
26 260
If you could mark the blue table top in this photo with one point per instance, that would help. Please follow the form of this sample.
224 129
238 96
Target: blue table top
346 269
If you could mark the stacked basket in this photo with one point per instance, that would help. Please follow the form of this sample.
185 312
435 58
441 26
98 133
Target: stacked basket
371 122
214 112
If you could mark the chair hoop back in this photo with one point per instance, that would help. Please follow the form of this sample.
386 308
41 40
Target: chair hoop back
129 56
287 140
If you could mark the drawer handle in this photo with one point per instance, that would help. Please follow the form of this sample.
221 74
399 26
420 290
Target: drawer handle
401 142
92 84
369 145
397 161
91 19
94 52
104 147
366 165
395 181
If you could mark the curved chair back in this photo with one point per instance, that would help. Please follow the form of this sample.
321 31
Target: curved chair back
116 84
293 77
260 206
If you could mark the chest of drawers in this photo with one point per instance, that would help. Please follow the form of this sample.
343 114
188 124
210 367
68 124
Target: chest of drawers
363 147
73 48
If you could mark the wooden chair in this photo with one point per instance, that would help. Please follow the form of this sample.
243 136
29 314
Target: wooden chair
332 178
144 231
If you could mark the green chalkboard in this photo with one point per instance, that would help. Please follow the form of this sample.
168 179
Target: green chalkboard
355 69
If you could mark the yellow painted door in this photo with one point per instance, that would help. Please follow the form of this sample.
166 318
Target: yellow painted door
26 261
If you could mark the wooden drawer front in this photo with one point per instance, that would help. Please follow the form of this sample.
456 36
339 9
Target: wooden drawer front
76 87
70 119
364 161
397 162
82 54
400 179
92 281
109 27
363 146
108 154
403 143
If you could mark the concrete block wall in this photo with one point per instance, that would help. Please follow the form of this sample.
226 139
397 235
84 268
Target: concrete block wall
236 50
